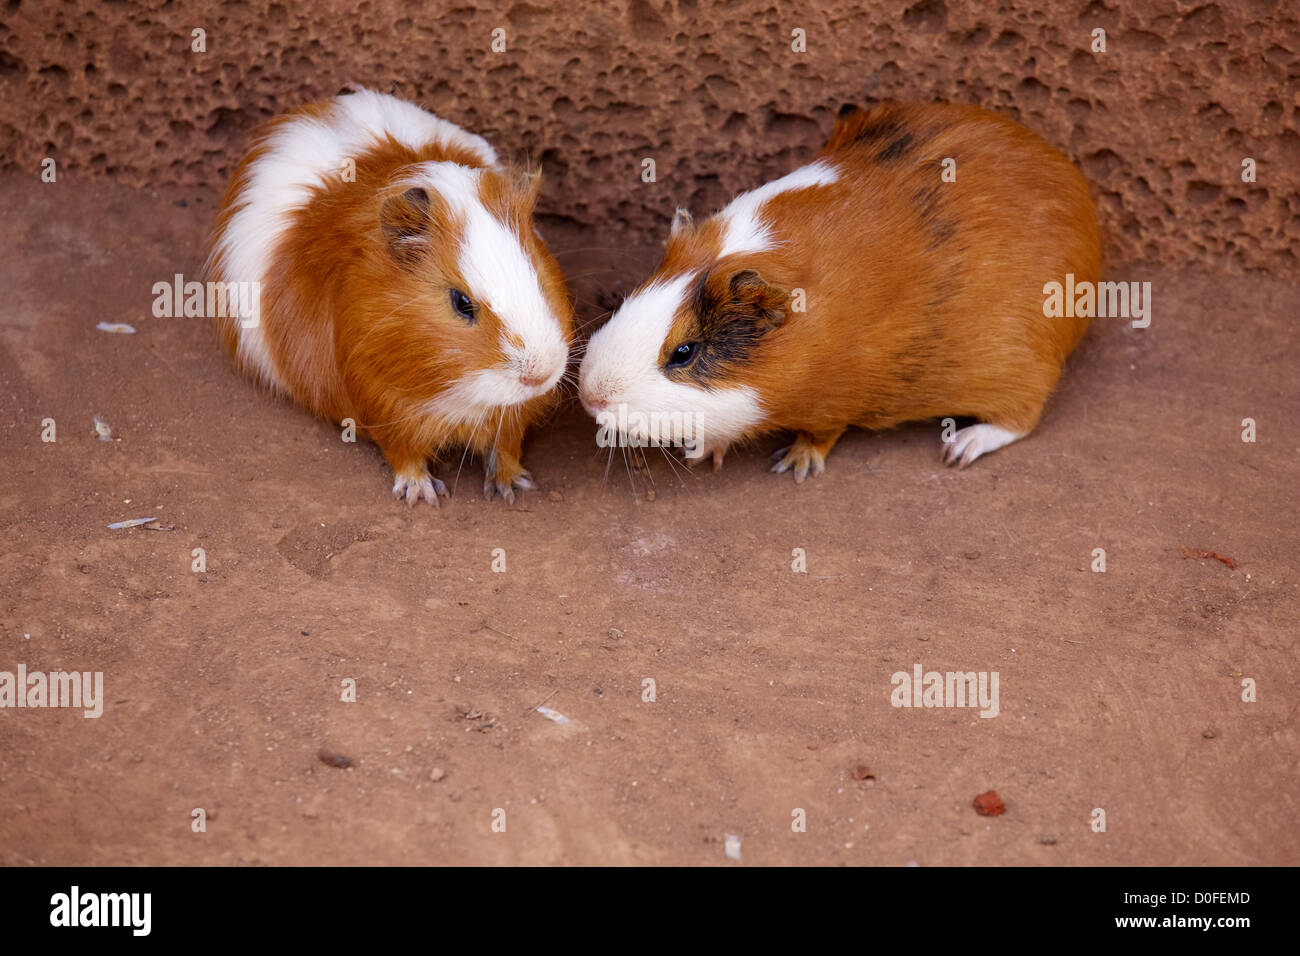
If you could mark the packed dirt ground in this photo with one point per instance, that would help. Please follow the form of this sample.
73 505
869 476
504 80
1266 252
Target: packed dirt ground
1119 690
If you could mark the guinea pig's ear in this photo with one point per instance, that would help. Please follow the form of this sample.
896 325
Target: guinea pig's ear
758 300
405 221
530 185
682 223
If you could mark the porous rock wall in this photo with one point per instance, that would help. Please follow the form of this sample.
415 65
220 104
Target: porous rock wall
714 93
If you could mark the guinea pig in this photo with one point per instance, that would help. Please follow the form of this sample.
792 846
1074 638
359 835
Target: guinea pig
898 276
402 285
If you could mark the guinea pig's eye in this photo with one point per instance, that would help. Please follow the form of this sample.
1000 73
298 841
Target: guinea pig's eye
682 354
461 303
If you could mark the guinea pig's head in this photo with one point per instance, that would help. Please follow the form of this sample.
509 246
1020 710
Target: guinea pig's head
688 358
470 310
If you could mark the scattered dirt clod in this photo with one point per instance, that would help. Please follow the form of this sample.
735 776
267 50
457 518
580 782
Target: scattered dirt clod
1202 553
989 804
331 759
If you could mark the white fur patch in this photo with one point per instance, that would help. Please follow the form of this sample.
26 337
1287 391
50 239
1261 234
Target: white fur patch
621 368
475 396
743 226
497 270
300 155
975 440
380 115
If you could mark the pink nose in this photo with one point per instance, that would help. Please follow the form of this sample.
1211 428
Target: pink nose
531 381
595 405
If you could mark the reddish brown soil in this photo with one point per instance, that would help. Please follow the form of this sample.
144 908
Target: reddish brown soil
1119 690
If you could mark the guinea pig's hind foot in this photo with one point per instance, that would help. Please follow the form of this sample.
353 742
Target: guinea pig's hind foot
807 454
416 485
975 440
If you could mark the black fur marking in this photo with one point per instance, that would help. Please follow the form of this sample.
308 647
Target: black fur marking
918 358
893 135
928 200
945 288
940 227
879 130
910 369
941 230
896 149
728 326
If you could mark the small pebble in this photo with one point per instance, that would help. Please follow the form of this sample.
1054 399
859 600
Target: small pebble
732 846
331 759
989 804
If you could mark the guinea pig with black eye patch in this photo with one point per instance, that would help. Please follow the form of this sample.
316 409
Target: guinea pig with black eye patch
898 276
402 285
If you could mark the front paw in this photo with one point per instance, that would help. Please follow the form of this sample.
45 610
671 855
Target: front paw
503 476
414 486
696 456
803 458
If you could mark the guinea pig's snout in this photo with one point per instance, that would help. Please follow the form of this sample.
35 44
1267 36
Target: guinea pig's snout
543 369
536 366
594 398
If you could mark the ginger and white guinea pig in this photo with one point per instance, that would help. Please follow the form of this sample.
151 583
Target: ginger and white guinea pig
862 289
402 284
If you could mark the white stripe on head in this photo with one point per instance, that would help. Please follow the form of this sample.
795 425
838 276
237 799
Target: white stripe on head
299 156
622 368
625 350
378 115
743 227
496 268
